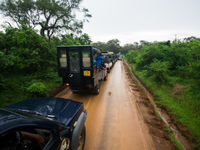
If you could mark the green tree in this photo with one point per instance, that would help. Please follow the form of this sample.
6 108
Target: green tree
149 52
84 39
101 45
158 70
190 39
128 47
143 43
51 16
131 56
25 50
71 39
114 45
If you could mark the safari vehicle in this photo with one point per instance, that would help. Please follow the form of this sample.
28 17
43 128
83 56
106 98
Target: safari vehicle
111 56
120 57
43 124
77 67
108 63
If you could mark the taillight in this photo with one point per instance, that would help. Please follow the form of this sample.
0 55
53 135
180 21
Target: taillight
95 71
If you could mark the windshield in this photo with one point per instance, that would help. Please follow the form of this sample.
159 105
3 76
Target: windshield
74 61
33 114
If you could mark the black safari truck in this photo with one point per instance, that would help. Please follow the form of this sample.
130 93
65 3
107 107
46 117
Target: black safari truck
78 68
43 124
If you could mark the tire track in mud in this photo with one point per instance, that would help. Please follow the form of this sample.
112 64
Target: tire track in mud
120 117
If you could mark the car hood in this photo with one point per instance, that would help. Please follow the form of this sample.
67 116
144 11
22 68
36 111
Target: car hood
61 110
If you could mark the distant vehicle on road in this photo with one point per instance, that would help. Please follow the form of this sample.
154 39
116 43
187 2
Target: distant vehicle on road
108 63
112 57
43 124
78 68
120 57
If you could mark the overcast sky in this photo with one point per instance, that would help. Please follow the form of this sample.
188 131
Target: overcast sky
134 20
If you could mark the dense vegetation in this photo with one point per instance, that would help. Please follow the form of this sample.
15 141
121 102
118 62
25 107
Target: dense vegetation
50 16
27 59
172 71
28 63
112 45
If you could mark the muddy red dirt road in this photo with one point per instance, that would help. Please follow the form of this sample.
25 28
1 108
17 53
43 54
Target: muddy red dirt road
114 121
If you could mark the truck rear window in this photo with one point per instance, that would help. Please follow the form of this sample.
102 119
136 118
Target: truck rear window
63 58
74 61
86 59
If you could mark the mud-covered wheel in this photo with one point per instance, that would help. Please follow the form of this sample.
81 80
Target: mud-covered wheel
81 141
97 89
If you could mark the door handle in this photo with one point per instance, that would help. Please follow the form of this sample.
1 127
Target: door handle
71 75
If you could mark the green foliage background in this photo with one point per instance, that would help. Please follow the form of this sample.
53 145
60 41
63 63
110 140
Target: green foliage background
28 68
28 63
164 65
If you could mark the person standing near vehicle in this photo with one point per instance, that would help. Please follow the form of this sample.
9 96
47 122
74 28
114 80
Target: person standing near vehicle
99 59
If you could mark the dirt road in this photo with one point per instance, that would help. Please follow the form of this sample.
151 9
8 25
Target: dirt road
115 121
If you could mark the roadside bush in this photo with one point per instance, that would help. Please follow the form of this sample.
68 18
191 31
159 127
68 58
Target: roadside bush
24 50
161 65
150 52
2 83
131 56
158 70
37 89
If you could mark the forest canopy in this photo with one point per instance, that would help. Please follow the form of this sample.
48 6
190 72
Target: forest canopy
50 16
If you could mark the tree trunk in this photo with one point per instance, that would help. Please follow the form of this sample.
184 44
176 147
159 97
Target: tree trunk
42 32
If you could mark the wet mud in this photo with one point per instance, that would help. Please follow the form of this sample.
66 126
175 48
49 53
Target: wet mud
121 116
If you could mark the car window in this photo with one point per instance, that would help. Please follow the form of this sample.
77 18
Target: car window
74 61
86 59
63 58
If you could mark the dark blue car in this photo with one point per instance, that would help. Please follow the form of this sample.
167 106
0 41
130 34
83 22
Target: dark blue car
43 124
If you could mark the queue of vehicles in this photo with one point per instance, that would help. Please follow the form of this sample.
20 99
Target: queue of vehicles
79 67
57 123
110 59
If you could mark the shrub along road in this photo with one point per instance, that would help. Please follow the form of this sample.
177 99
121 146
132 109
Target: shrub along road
121 117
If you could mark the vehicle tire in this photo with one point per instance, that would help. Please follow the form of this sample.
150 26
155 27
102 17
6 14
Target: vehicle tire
81 141
97 89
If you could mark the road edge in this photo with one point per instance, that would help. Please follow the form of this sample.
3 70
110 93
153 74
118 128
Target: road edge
174 134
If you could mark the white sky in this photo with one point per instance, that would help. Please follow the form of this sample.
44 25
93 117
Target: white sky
134 20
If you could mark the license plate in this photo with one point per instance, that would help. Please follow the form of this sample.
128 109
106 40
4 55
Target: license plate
86 73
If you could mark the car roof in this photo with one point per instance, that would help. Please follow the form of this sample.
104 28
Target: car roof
74 46
63 110
96 50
